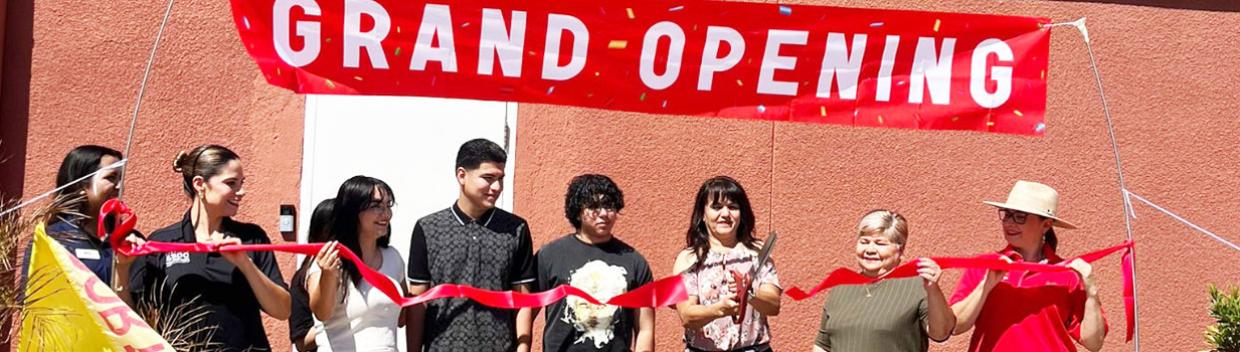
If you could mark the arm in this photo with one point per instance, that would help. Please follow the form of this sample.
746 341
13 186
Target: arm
273 298
940 320
968 309
645 330
417 281
121 270
1093 326
766 299
415 317
323 285
525 323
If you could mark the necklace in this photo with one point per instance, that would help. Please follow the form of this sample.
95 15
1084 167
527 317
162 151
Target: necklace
868 293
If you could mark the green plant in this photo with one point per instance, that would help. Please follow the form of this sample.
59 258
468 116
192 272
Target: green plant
1224 336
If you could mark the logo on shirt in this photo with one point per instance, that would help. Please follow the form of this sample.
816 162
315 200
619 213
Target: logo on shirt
175 258
595 322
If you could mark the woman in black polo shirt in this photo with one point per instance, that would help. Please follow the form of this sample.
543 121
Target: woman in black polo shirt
75 227
231 287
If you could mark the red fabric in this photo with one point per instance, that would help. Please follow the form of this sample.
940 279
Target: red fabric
615 55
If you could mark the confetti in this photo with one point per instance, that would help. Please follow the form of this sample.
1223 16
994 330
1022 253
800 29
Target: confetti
358 78
1040 128
761 109
784 10
665 104
397 29
595 73
676 8
1018 113
822 110
876 24
330 85
1043 74
937 22
880 119
550 90
506 90
990 124
739 83
277 71
245 21
642 98
328 39
955 118
397 51
629 10
618 44
465 25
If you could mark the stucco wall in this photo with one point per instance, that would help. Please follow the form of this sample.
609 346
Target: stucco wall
1170 75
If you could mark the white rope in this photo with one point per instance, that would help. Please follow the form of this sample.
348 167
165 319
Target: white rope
67 185
137 106
1184 221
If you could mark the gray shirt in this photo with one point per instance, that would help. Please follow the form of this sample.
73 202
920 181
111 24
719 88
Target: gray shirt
890 316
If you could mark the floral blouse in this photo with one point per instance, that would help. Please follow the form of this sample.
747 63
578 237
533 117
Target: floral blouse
709 282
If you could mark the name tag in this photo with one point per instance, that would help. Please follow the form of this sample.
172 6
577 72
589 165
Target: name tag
174 258
86 253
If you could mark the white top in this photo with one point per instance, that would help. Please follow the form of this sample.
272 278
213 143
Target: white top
366 321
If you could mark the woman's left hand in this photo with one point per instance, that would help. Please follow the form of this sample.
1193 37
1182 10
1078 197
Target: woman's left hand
236 258
929 271
1085 271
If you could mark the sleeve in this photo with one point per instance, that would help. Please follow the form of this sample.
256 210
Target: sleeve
542 268
300 319
1078 297
643 274
418 270
266 261
768 275
968 282
823 340
522 270
690 278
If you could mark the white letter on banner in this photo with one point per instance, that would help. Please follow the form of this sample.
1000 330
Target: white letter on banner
556 25
355 39
711 62
838 61
505 43
308 30
436 22
771 61
1001 74
884 71
936 73
675 50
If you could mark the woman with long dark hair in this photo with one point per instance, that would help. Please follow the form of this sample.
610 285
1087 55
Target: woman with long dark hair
75 226
718 245
351 314
233 287
301 320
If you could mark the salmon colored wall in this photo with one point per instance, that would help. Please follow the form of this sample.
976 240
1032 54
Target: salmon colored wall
1172 83
86 63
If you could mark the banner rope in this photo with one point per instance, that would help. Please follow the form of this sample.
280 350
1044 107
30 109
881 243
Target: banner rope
27 202
1182 220
137 106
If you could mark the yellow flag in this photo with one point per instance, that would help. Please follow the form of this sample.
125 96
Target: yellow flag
69 309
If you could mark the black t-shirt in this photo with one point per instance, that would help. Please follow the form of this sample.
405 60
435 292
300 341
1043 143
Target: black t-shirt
206 282
604 271
300 320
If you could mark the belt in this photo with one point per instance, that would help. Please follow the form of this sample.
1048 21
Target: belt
762 347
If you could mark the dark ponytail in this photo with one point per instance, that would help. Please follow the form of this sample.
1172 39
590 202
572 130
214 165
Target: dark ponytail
1051 240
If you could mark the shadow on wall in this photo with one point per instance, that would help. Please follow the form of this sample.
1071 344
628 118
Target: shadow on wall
18 33
1201 5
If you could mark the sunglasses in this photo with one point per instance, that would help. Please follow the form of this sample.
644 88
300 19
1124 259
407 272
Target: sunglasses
1018 217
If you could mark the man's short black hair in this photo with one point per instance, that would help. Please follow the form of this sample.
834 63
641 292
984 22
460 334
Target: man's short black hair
477 151
591 191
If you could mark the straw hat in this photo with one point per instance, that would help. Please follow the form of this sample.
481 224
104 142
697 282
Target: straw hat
1034 198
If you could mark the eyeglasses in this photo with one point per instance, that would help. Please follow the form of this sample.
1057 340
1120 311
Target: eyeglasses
599 212
1018 217
379 206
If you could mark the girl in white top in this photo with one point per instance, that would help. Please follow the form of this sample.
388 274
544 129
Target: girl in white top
350 314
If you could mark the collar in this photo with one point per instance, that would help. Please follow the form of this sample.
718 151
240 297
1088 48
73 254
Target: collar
1047 251
464 219
187 227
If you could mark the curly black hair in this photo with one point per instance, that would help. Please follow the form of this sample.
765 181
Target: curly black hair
591 191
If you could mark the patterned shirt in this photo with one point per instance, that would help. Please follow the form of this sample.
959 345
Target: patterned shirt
709 282
493 252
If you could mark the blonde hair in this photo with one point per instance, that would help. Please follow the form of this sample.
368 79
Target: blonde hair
886 223
205 161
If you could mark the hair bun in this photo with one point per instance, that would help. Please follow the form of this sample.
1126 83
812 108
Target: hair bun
178 161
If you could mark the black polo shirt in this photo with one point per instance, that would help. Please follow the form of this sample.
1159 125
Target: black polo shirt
493 252
208 282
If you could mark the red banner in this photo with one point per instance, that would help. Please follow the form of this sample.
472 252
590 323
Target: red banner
863 67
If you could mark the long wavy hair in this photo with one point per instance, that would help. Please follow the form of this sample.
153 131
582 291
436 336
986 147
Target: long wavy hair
352 199
715 190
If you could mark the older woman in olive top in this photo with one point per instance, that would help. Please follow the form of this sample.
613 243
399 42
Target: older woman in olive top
889 315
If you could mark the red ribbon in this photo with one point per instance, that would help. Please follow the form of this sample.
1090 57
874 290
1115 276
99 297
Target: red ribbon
664 292
843 276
